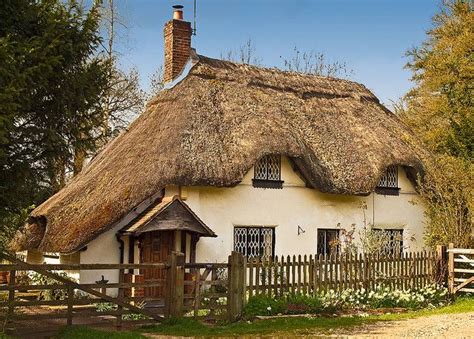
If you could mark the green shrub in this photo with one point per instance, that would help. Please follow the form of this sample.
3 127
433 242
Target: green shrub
331 302
300 303
106 307
384 297
264 305
50 294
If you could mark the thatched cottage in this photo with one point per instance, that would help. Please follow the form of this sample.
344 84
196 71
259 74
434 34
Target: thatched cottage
236 157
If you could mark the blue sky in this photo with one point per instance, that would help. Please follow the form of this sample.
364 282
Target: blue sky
371 36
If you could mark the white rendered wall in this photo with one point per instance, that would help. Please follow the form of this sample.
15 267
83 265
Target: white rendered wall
285 209
295 205
105 249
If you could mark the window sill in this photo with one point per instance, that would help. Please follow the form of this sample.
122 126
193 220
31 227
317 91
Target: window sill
267 183
387 190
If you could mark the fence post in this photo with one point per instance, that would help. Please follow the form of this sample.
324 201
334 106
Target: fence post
11 295
440 268
175 285
451 268
120 295
70 303
366 272
236 289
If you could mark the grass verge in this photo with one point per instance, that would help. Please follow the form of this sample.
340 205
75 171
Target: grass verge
190 327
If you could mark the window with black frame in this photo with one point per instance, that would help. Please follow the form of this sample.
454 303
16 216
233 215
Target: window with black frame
391 239
255 241
328 241
267 172
388 183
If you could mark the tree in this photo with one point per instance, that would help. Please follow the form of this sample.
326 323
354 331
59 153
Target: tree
123 97
447 189
50 83
440 107
156 81
440 111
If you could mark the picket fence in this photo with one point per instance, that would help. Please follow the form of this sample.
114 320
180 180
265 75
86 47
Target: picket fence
310 275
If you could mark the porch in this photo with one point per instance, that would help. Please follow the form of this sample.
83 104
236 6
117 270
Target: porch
166 227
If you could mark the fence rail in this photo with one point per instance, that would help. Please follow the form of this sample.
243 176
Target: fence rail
460 269
310 275
219 290
202 290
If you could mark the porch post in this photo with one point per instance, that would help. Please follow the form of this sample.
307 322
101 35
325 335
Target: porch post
34 257
177 241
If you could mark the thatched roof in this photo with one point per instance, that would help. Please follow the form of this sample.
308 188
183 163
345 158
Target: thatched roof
211 127
171 213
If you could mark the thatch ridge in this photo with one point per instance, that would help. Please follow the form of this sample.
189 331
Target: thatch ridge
210 128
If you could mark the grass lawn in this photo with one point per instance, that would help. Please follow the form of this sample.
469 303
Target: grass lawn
189 327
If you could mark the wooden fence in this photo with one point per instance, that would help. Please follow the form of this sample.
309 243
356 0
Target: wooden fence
202 290
460 269
219 290
311 275
55 296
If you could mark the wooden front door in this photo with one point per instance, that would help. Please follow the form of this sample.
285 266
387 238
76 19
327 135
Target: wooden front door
155 248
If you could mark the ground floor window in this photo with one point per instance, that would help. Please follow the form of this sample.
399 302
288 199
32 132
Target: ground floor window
255 241
391 240
328 241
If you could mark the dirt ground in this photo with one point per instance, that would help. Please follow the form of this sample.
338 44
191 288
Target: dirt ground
437 326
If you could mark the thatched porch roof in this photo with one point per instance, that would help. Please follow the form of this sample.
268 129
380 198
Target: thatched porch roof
210 129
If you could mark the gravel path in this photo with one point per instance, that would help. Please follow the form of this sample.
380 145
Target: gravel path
436 326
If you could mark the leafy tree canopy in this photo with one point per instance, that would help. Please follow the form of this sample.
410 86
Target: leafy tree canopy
50 79
440 107
440 111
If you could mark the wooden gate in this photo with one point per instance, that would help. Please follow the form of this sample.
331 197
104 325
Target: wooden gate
25 299
460 269
214 291
202 290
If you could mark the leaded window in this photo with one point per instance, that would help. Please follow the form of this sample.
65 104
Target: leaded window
267 172
391 241
390 178
328 241
388 183
255 241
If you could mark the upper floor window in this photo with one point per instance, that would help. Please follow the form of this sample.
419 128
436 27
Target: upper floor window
388 183
267 172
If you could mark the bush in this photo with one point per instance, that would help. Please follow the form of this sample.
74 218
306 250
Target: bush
384 297
264 305
107 307
330 302
303 304
50 294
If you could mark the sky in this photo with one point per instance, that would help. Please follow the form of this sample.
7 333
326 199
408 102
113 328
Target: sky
370 36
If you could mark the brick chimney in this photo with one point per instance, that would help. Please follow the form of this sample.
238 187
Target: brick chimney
177 34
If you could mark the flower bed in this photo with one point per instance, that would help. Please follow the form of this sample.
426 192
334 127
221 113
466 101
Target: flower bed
332 302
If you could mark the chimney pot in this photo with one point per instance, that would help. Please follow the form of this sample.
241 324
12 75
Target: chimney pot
178 12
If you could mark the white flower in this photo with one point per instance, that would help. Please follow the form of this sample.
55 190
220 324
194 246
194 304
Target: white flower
269 308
